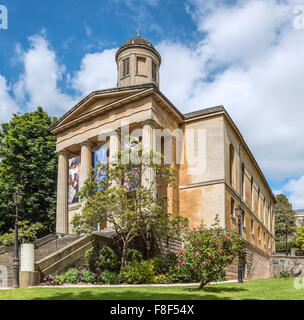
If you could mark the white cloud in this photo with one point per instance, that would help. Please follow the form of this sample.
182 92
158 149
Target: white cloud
294 188
97 71
7 103
39 82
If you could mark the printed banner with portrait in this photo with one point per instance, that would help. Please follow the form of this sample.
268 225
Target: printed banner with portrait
73 179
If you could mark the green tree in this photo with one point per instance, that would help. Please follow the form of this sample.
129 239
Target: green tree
300 238
127 201
27 233
29 163
283 209
207 253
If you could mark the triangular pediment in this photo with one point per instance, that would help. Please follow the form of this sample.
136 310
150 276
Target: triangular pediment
97 101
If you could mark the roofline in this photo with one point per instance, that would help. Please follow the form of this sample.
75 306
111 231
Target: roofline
98 92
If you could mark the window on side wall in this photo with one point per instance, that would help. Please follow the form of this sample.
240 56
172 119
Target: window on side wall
232 207
231 165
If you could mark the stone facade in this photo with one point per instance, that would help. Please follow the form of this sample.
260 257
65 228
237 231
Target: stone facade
224 176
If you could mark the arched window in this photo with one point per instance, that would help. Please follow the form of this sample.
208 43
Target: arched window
231 165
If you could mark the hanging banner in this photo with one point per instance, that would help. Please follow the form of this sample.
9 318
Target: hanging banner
100 163
73 179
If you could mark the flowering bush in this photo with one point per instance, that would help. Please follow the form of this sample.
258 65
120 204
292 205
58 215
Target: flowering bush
207 252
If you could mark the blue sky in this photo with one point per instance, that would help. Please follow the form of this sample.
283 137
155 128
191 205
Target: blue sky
247 55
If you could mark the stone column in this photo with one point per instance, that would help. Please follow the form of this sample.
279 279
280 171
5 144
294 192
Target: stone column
113 146
62 193
85 162
148 143
113 150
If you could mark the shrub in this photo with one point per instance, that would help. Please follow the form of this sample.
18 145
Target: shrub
300 238
137 272
281 246
71 276
61 278
86 276
50 281
161 279
134 255
27 233
169 261
108 259
178 274
285 274
157 264
88 255
207 253
108 277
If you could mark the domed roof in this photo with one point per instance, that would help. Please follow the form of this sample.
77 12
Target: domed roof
137 42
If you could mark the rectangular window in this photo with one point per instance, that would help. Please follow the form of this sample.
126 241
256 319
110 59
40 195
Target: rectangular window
126 67
141 66
243 181
153 71
232 207
252 226
251 189
259 232
243 218
259 213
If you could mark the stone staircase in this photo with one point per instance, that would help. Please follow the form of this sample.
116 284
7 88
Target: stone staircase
72 254
43 247
53 244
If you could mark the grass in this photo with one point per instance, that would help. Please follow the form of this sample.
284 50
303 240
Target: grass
266 289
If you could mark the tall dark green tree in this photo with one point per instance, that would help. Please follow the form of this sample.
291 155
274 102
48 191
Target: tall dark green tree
28 161
283 209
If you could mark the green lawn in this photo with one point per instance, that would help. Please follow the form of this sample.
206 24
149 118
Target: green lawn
268 289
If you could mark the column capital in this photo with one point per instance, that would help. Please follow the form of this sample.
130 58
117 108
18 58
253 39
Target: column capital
63 153
152 123
87 143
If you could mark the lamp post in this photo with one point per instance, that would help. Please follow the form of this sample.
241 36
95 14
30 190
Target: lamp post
286 234
17 196
240 265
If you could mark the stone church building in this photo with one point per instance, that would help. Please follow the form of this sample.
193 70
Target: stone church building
228 175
